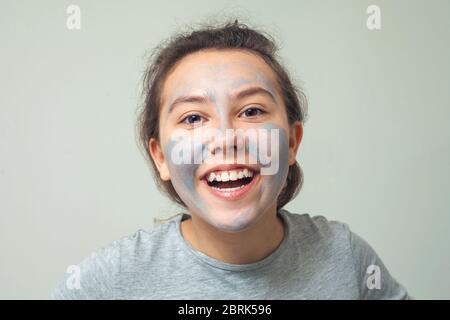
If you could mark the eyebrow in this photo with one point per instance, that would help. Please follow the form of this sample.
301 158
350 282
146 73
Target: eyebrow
204 99
187 99
254 91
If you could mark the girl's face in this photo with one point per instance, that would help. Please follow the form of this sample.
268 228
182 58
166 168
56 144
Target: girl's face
223 118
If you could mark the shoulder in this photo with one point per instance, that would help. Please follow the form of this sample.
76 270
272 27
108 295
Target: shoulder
317 228
321 243
144 246
334 241
97 275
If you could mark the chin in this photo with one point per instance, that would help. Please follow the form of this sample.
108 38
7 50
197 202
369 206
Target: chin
234 220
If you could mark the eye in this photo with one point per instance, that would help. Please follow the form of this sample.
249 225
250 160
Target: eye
192 119
252 112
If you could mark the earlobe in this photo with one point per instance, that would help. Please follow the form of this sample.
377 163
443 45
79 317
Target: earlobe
157 155
295 138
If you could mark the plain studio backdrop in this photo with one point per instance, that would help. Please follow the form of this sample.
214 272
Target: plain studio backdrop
375 151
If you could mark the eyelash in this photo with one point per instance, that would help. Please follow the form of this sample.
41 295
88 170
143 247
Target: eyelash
187 117
254 108
261 112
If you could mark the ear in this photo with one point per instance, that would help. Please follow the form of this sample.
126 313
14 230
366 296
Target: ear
295 137
157 155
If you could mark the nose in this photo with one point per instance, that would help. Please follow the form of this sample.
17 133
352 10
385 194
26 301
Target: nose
226 142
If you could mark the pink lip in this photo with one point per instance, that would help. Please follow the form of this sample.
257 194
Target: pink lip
233 195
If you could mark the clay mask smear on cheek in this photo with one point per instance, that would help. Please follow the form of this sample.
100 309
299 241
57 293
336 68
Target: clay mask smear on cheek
270 148
179 152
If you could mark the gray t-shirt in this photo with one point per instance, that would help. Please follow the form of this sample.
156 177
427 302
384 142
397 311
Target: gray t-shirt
317 259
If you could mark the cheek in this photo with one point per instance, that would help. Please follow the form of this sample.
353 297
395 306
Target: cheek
269 147
181 158
272 153
178 163
280 162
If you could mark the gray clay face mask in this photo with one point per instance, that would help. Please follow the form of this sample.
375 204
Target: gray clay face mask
193 191
269 152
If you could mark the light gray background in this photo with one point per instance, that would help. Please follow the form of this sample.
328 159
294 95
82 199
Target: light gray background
375 151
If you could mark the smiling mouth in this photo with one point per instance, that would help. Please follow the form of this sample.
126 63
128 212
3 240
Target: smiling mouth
231 184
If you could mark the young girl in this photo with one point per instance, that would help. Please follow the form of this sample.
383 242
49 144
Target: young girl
221 125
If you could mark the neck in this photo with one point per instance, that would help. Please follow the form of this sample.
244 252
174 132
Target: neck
247 246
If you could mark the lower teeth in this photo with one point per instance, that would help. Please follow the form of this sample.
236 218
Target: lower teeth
229 189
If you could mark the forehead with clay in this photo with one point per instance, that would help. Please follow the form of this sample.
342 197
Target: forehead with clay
217 75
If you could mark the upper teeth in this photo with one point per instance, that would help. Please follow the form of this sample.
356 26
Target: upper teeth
229 175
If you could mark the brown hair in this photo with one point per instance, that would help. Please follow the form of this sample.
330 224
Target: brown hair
228 36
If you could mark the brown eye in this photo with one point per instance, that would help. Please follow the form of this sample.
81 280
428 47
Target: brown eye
252 112
192 119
